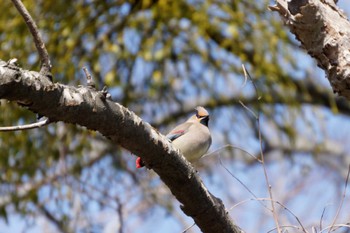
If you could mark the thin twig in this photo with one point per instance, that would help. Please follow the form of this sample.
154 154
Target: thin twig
58 223
108 200
90 81
184 231
120 214
257 118
249 110
241 203
45 66
289 211
245 76
267 179
283 226
324 210
322 215
341 201
245 186
234 147
25 127
277 202
314 230
336 225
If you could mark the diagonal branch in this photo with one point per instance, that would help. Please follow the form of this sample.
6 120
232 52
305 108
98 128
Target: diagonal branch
324 32
39 43
58 223
91 109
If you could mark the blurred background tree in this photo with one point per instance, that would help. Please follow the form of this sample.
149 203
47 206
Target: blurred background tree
161 59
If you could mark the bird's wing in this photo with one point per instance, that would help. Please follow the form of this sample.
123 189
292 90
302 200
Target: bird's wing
178 131
175 134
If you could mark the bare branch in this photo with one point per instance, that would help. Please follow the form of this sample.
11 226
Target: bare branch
322 215
341 201
278 203
234 147
45 66
189 227
257 117
25 127
90 81
248 109
59 224
337 227
245 76
245 186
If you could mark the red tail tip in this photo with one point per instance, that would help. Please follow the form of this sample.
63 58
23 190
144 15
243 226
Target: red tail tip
139 163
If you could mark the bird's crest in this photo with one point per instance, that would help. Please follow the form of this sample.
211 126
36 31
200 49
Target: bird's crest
201 112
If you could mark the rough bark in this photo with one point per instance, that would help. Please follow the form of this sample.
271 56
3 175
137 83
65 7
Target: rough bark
324 32
90 108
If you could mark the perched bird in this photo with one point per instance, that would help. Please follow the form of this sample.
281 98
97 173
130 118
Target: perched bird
192 138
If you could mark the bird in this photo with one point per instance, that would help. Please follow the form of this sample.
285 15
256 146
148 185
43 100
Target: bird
192 137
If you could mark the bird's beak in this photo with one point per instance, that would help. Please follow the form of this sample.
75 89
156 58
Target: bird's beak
204 120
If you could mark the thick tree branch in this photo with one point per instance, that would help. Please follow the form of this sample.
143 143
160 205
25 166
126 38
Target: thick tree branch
324 32
91 109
